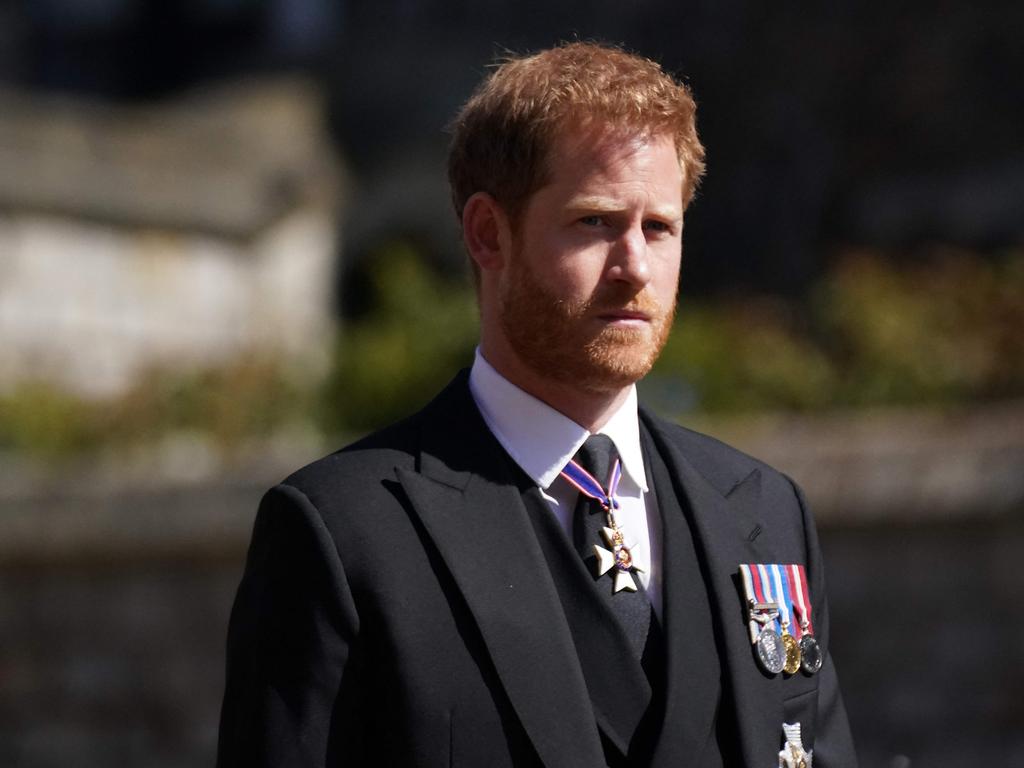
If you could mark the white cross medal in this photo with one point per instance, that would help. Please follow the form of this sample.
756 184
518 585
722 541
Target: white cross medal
793 754
622 555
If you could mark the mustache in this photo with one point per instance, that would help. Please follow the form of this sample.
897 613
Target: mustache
626 301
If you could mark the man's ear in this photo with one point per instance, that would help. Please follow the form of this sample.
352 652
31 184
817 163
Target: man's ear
486 231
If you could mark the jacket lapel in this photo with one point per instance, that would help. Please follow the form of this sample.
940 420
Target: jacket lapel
692 669
465 495
725 529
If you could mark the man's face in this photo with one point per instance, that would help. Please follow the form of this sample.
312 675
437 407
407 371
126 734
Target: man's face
589 294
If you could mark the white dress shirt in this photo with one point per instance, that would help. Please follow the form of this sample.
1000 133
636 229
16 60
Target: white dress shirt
542 441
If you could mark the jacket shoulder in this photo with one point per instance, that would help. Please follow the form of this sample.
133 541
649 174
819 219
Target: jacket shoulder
361 464
719 463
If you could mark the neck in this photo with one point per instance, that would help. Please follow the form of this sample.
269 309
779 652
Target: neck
590 409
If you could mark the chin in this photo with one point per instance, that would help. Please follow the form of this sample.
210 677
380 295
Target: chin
610 367
602 362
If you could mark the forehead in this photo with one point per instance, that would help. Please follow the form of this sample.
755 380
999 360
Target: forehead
595 155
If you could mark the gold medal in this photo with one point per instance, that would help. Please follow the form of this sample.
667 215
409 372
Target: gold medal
792 647
789 643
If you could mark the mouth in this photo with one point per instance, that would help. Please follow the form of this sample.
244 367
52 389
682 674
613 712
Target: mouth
625 317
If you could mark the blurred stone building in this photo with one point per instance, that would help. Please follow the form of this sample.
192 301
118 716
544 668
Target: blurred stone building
174 234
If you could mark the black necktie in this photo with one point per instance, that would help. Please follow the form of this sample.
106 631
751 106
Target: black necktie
633 609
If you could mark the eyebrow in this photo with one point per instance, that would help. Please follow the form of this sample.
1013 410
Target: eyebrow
610 205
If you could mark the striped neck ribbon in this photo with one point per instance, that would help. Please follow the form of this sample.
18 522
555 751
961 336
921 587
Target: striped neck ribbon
586 484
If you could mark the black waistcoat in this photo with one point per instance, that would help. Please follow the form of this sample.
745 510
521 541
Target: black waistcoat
661 712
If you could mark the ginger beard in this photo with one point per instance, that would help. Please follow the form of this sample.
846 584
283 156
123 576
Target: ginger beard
567 341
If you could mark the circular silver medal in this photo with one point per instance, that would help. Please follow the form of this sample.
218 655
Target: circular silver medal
770 651
810 654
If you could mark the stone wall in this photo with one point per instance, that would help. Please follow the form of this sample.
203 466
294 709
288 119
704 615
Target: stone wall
88 307
176 234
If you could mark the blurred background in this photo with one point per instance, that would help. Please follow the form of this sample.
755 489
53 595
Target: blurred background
226 248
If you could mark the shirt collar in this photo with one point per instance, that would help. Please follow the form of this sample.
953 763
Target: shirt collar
540 439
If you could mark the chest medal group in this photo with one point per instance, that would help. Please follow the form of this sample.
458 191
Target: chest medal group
779 618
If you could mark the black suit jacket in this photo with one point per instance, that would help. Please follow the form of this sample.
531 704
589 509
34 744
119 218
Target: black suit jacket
397 608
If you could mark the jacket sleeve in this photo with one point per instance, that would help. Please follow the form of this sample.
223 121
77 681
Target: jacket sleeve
291 637
833 743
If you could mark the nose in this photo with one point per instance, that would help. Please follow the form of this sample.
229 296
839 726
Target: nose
629 261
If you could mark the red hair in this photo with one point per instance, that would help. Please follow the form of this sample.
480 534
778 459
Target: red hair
504 132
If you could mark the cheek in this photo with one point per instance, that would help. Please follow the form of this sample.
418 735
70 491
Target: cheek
665 277
573 272
584 276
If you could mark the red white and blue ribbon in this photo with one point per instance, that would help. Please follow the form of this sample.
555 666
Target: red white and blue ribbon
783 598
748 589
788 589
763 585
757 585
802 600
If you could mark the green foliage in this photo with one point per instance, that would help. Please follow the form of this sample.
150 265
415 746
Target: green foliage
941 329
245 399
420 330
743 355
235 402
38 419
938 330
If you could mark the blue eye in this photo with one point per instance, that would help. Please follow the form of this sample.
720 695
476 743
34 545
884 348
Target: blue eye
592 221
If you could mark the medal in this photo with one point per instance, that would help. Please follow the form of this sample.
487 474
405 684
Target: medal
779 618
770 650
624 558
793 754
761 614
792 648
785 600
621 556
811 656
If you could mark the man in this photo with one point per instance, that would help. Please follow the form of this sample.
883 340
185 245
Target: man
444 593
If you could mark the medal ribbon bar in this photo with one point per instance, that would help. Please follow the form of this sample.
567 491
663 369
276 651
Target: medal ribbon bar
754 605
785 599
789 641
790 592
802 606
764 588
